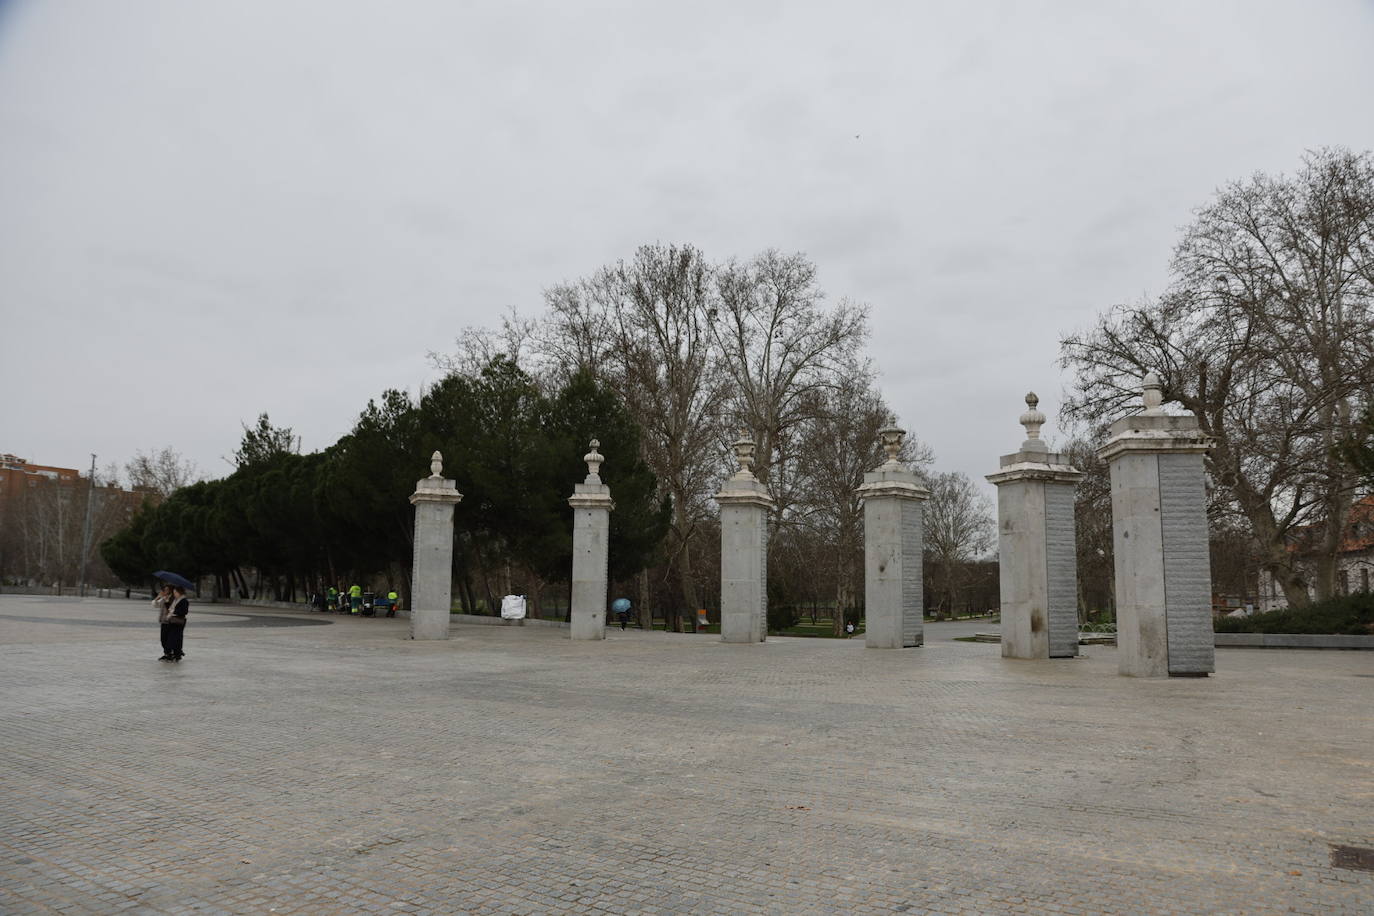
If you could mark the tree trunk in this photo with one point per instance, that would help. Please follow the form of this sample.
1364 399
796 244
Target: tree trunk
682 525
646 613
1337 502
534 602
842 598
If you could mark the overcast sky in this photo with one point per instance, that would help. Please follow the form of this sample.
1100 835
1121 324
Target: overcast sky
210 210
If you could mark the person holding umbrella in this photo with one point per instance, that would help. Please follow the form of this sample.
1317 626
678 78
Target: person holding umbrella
174 617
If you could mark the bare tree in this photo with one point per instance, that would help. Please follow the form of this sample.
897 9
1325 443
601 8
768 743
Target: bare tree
1267 335
642 325
476 347
1092 513
43 534
163 471
959 528
697 351
841 445
783 351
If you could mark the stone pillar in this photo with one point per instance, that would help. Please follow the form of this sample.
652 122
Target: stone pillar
431 575
893 541
1159 533
744 506
592 505
1037 555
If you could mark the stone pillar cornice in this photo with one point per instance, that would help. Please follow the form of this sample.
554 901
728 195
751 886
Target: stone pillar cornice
1028 466
591 496
744 493
878 484
431 491
1158 433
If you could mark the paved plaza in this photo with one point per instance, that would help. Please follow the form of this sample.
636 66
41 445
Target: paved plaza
299 763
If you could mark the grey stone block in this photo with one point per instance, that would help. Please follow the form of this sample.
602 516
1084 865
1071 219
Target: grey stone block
1187 564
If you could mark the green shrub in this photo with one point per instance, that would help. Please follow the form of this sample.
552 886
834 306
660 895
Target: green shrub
782 617
1349 615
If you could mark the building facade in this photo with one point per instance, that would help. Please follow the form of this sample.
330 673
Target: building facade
42 523
1355 562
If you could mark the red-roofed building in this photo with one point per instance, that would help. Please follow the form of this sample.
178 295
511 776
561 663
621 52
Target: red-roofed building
1355 563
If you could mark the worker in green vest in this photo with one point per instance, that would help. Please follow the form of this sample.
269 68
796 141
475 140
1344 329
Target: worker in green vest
393 601
355 599
333 604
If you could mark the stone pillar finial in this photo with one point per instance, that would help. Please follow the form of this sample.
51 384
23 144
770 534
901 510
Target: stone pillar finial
892 437
436 466
744 454
1153 394
594 459
1032 420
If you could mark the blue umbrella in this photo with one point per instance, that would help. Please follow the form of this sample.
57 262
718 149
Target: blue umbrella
620 605
173 578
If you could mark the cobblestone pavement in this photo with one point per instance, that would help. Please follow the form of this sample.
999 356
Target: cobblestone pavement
344 769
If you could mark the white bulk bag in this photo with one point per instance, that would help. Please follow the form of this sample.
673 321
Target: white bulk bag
513 607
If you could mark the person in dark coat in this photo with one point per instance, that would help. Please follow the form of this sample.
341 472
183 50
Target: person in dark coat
176 624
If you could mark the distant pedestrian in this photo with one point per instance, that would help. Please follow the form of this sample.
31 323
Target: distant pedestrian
163 603
176 624
355 599
393 602
622 608
848 630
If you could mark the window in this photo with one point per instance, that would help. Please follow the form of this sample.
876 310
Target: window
1364 579
1345 582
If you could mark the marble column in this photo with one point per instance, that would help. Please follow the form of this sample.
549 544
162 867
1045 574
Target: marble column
1159 534
431 575
1036 551
893 505
744 507
592 505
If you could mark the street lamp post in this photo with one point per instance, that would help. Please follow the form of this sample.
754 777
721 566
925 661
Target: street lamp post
86 528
